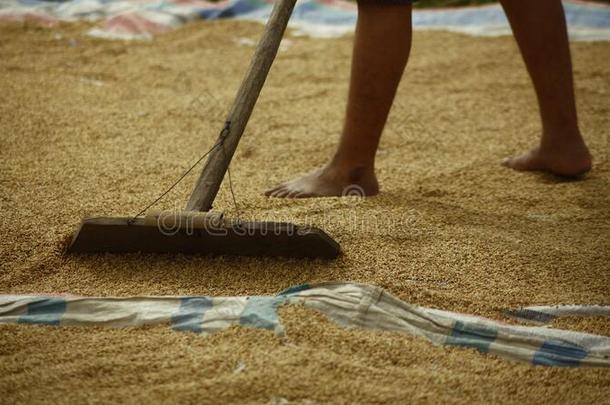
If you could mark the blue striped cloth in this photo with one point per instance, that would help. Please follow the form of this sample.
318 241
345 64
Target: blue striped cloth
138 19
348 304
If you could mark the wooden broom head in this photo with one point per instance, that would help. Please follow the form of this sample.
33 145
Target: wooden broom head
213 235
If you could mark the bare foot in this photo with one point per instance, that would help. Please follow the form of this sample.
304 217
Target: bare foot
566 160
329 182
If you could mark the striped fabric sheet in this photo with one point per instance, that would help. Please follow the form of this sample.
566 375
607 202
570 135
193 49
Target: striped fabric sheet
546 313
141 19
347 304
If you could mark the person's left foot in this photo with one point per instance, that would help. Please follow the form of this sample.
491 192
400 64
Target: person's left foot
563 159
329 181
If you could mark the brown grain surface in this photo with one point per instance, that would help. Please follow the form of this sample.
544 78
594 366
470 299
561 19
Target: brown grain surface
599 325
92 127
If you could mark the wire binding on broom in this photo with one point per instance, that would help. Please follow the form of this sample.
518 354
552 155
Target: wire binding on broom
222 136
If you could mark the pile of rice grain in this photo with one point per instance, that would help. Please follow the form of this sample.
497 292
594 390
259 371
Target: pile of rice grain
93 127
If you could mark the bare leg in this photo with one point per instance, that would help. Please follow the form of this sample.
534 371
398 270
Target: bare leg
540 30
381 49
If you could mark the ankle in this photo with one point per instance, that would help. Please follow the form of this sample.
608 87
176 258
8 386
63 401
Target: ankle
350 171
564 147
566 135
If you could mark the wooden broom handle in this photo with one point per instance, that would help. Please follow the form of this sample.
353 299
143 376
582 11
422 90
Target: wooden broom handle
218 162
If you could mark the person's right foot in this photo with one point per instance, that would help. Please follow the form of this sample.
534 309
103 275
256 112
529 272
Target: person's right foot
564 159
329 182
